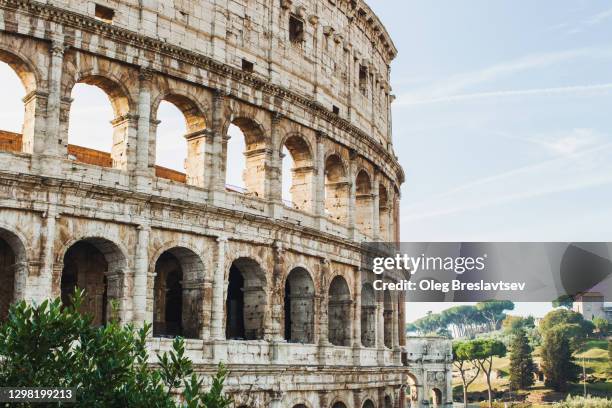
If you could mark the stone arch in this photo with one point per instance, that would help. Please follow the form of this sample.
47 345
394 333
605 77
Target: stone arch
302 172
255 153
96 265
383 212
13 269
177 299
195 137
388 319
363 202
123 123
339 311
299 306
336 189
368 315
368 404
388 402
339 404
246 300
413 388
435 397
30 79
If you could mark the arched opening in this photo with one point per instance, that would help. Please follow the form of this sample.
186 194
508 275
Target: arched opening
368 315
388 319
176 302
363 203
299 307
98 124
336 189
339 312
300 406
17 105
12 254
339 405
368 404
412 392
297 162
246 158
180 141
383 212
435 398
94 265
246 301
388 403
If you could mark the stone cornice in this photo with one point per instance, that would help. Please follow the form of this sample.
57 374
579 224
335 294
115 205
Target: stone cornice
122 35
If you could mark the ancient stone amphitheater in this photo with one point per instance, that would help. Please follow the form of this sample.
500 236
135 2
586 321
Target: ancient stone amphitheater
274 289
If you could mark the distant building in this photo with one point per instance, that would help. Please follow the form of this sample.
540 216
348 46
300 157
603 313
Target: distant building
591 305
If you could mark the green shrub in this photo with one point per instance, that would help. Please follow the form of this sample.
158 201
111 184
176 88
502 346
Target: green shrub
581 402
54 345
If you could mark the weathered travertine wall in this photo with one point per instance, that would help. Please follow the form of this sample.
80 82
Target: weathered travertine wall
276 290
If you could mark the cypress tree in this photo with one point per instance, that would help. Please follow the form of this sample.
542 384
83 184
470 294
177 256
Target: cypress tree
522 367
557 361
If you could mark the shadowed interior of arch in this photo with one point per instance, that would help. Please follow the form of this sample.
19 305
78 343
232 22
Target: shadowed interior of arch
339 405
339 312
363 203
246 301
299 307
8 259
368 404
368 315
90 264
176 309
388 319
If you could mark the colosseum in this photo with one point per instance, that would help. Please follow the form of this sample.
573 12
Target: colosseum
275 289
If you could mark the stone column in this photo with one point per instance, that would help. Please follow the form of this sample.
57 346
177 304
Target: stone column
47 287
274 172
218 305
319 180
352 173
376 206
274 332
380 328
141 272
47 149
144 168
357 310
217 147
357 399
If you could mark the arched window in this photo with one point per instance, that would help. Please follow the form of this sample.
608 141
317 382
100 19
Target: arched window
90 265
388 319
363 203
383 213
368 315
246 157
297 162
98 123
299 307
180 141
246 301
339 312
177 308
336 189
17 115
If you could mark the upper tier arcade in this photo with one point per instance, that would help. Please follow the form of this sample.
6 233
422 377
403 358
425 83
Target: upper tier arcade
335 52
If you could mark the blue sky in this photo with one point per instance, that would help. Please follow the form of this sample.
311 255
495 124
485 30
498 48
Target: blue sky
502 120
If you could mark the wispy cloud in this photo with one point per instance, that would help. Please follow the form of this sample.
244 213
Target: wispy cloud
498 94
455 86
591 21
569 172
